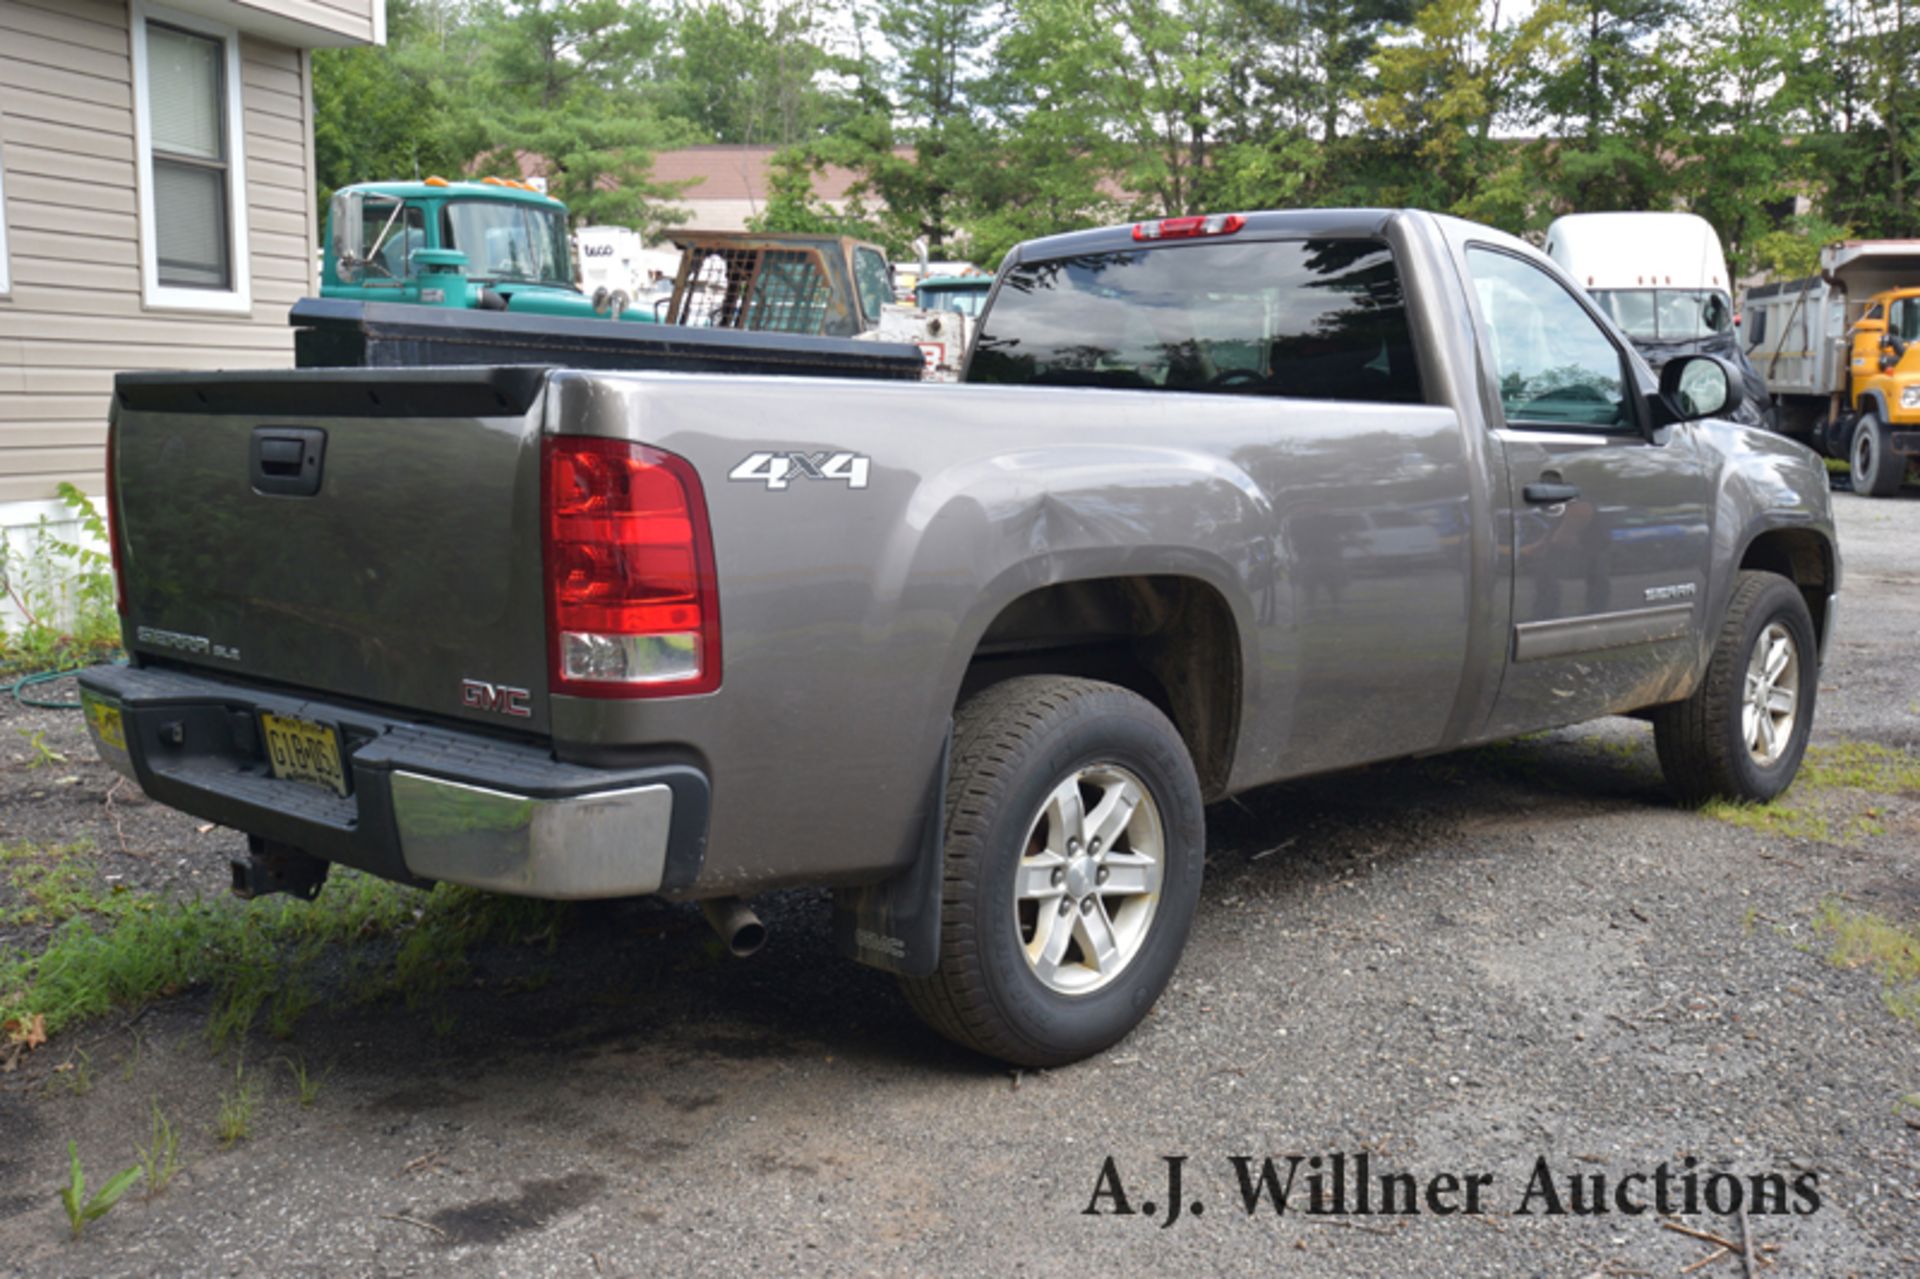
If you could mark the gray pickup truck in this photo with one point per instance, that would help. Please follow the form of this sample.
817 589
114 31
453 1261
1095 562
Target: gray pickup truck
1221 501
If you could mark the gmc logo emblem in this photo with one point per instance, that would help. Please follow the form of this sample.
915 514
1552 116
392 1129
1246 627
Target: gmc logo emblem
501 699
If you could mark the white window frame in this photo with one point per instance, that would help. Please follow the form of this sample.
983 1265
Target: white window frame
237 300
6 262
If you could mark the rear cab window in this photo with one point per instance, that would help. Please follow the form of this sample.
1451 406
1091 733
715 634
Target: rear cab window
1317 319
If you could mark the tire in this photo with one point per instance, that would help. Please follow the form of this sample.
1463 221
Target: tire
1016 746
1836 438
1704 742
1877 469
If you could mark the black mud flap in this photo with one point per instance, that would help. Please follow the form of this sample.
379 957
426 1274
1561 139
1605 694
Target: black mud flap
895 925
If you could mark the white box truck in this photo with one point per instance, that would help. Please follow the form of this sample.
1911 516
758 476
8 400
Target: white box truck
1663 279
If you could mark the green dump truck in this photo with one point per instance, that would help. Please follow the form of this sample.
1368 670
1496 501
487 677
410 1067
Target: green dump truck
490 245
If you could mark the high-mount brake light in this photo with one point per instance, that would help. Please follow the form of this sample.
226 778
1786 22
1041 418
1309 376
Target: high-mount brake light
632 606
1188 228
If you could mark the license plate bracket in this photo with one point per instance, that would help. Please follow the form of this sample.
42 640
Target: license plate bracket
299 750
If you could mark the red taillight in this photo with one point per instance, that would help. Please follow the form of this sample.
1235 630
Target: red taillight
632 608
113 528
1187 228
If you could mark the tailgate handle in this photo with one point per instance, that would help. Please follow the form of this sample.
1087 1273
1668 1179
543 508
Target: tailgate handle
285 461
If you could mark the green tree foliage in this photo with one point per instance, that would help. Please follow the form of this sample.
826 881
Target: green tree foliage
973 124
750 72
384 113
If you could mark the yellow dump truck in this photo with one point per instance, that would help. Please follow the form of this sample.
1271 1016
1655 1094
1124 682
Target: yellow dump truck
1838 351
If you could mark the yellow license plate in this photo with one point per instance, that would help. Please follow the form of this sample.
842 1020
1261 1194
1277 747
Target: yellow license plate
106 721
302 751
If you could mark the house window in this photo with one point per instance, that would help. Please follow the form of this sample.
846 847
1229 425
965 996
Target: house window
192 186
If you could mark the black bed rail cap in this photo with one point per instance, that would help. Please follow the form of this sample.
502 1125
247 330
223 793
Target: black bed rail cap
462 391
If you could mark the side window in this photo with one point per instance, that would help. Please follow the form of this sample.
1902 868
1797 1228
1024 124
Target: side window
871 277
389 233
1555 364
1905 324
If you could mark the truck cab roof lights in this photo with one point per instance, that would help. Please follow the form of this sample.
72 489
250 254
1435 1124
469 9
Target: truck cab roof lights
1189 227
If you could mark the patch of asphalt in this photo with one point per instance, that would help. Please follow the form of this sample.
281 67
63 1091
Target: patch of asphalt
1457 965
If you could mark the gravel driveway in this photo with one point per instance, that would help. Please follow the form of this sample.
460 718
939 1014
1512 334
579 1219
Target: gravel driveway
1460 966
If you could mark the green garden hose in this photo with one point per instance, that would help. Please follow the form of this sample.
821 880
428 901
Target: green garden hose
44 677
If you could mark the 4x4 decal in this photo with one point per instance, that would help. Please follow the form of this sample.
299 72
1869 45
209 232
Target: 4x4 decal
777 470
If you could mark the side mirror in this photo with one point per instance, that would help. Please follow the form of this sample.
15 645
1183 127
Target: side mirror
345 217
1696 386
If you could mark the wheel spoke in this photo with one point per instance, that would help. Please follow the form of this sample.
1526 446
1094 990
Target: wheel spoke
1768 735
1777 656
1096 937
1035 876
1066 818
1053 935
1111 815
1129 874
1781 699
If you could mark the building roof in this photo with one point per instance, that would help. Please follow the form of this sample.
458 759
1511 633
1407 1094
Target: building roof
738 172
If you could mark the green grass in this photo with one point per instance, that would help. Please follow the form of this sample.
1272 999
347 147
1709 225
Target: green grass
112 949
160 1157
49 884
235 1120
1776 818
1861 940
1866 766
1838 466
306 1086
1832 800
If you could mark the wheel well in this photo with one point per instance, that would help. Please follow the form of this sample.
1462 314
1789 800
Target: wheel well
1170 639
1802 557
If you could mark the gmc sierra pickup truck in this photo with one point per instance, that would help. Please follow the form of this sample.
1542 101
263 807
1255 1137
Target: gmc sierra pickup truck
1222 501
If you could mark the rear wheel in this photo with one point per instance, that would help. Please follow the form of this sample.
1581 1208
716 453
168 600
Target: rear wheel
1742 733
1074 845
1877 469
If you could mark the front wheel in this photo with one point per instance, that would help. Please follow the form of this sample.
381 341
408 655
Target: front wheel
1877 469
1074 845
1742 733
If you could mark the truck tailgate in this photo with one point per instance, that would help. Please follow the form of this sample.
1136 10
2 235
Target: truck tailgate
372 534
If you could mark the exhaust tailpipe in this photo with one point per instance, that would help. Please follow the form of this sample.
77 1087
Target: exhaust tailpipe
737 925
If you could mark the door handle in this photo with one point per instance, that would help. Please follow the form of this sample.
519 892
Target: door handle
1550 493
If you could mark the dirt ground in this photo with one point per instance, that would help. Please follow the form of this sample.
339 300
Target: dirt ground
1459 966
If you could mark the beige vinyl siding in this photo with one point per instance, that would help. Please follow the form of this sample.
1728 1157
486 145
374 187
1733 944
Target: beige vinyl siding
351 18
75 315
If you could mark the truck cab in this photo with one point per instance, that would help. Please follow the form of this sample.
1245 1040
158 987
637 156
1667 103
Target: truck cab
1663 279
780 282
489 245
1883 383
961 294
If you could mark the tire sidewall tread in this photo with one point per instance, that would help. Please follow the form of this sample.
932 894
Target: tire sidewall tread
1700 741
1012 743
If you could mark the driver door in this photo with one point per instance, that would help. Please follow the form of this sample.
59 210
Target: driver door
1610 522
